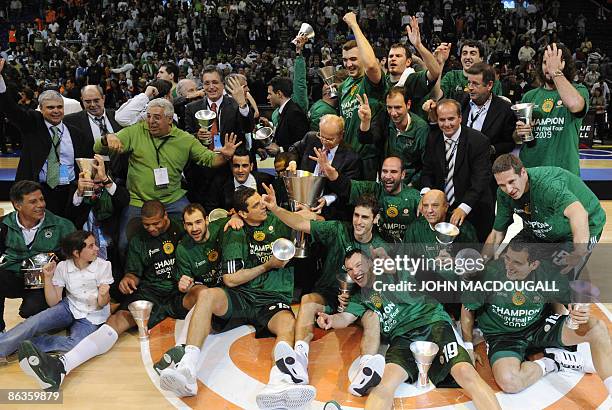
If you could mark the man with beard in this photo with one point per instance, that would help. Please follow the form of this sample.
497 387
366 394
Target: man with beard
559 108
338 238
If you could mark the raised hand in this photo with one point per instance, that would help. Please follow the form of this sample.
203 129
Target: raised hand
350 19
100 168
364 111
442 52
230 145
269 198
326 167
236 90
553 57
413 31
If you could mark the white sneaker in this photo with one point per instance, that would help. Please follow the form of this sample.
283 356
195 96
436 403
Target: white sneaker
566 360
368 376
178 380
584 349
285 395
289 364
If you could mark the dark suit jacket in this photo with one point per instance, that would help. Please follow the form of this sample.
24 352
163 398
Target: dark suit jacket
222 191
346 162
36 141
229 114
499 124
471 177
119 162
292 125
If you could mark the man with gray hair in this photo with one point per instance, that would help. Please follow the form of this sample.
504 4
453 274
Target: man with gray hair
187 92
49 151
158 152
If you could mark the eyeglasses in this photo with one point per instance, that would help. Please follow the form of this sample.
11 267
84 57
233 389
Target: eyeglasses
325 139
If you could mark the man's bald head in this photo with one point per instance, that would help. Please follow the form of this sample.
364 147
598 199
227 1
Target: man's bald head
435 206
331 130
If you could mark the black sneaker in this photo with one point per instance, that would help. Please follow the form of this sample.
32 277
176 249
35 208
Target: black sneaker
170 358
47 370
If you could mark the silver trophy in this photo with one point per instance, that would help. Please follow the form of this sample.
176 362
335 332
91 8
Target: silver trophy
424 353
328 75
304 188
523 113
264 135
217 213
345 285
583 293
205 118
86 166
283 249
141 311
31 268
446 232
305 31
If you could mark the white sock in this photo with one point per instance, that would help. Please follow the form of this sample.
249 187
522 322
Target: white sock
608 384
302 348
97 343
181 338
548 365
191 357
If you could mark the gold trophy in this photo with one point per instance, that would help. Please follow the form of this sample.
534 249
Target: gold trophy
86 165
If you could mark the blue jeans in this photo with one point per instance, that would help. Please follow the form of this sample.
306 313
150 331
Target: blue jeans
131 212
53 318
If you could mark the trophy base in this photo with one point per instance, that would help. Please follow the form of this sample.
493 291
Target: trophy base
301 253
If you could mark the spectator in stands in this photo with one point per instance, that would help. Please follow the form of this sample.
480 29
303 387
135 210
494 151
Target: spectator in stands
169 72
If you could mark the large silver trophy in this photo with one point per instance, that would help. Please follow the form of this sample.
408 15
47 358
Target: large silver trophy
141 311
31 268
264 135
523 113
283 249
304 188
305 31
424 353
328 75
446 232
205 118
345 285
86 166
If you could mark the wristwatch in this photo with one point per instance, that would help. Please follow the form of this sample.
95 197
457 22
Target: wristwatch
557 73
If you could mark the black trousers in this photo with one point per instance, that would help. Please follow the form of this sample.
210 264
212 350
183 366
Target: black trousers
58 199
11 286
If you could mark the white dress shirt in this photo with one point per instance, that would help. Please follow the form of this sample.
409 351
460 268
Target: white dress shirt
249 183
28 233
477 114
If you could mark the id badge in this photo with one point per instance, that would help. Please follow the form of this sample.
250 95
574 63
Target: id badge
217 142
64 174
161 177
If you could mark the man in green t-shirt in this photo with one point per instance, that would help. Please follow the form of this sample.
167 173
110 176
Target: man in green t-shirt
555 205
149 276
558 111
405 318
365 77
338 238
515 321
258 290
402 133
398 201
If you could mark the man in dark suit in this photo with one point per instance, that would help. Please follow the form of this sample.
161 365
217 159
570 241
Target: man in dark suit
49 146
96 121
457 161
221 194
292 121
233 116
329 140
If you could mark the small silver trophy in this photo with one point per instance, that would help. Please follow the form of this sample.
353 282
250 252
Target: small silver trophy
328 75
141 311
424 353
283 249
446 232
523 113
582 292
345 285
305 31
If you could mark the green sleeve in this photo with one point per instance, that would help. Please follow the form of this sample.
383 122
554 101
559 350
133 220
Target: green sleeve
355 306
126 134
468 233
446 84
200 154
300 89
558 192
503 218
421 141
99 148
325 232
135 257
497 88
234 245
359 188
416 86
182 260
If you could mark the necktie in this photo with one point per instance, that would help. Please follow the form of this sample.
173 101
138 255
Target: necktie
449 187
53 162
102 125
215 128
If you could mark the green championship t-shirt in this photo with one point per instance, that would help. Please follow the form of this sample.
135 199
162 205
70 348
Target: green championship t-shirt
398 312
454 85
253 246
153 259
369 153
202 261
338 238
515 308
556 130
318 110
417 87
409 145
397 211
551 190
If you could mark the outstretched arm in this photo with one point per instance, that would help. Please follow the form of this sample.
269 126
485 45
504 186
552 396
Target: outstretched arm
366 52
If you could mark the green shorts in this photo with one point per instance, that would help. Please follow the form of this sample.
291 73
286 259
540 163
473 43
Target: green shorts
165 304
449 354
246 307
544 333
